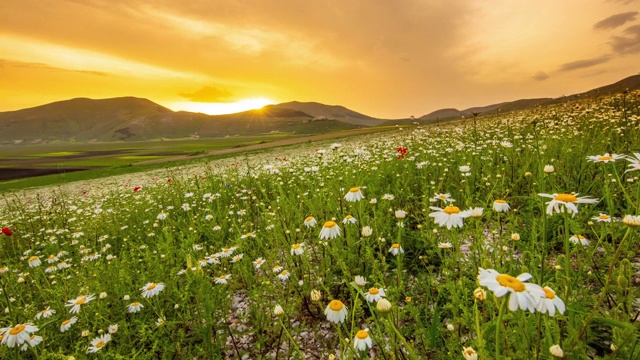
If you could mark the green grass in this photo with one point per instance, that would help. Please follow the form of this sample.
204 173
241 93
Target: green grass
202 233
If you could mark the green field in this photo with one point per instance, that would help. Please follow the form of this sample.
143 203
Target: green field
515 237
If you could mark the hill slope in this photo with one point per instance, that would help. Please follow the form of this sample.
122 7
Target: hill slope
335 112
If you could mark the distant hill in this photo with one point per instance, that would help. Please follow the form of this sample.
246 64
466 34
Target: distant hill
631 83
335 112
131 119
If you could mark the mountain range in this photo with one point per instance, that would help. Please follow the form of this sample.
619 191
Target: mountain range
135 119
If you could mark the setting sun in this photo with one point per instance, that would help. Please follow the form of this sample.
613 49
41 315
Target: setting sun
220 108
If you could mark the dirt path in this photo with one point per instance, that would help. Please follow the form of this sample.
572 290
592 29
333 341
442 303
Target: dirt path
292 141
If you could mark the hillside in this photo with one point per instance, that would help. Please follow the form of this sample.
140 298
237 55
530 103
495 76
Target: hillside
335 112
631 83
134 119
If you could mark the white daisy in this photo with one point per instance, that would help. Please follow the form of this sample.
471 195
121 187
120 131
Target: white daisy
284 275
297 249
336 311
523 295
550 302
349 220
602 218
443 197
354 195
151 289
222 279
362 341
374 294
134 307
579 239
310 221
501 205
604 158
568 201
396 249
17 335
99 342
67 324
79 301
330 230
45 313
450 216
258 262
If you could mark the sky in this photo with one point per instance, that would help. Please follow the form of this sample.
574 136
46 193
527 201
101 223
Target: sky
387 59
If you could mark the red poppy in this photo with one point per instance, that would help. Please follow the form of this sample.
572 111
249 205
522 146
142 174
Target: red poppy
401 152
137 188
6 231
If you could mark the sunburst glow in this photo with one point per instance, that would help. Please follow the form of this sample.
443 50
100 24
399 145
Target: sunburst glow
219 108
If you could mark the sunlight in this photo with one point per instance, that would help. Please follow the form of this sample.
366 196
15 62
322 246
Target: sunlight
212 108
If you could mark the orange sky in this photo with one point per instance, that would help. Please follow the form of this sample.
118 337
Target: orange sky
388 59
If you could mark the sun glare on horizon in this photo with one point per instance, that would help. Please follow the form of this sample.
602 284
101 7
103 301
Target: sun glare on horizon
217 108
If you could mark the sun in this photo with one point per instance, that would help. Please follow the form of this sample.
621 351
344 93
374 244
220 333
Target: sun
217 108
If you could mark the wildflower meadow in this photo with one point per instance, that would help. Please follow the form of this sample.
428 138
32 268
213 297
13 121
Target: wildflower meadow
507 236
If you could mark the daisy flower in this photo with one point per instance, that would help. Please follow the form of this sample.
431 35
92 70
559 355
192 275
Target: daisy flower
476 212
134 307
443 197
310 222
604 158
248 235
99 342
226 252
501 205
222 279
277 268
374 294
284 275
445 245
297 249
34 340
400 214
45 313
79 301
469 353
67 324
362 341
396 249
602 218
349 220
34 261
336 312
568 201
258 262
151 289
550 302
388 197
4 269
360 280
51 259
631 220
635 162
579 239
237 258
523 295
17 335
330 230
354 195
450 216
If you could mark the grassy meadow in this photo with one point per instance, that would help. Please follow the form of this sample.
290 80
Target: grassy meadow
514 236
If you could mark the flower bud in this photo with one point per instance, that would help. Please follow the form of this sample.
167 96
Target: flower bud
315 295
480 294
515 237
278 310
556 351
383 305
549 169
103 295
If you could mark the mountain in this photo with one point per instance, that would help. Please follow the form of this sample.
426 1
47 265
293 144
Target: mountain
335 112
131 119
631 83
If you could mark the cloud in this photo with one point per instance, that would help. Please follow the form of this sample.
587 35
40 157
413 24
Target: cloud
583 64
208 94
540 76
629 43
615 21
35 65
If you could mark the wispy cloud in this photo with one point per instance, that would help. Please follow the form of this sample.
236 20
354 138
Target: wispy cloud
628 43
540 76
615 21
583 64
37 65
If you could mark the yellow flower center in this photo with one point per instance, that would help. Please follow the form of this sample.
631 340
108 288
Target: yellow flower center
66 322
296 246
470 352
100 344
249 234
548 293
336 305
330 224
354 189
500 201
566 198
510 282
361 334
17 330
395 246
51 257
603 216
348 217
81 301
579 236
152 286
442 197
135 304
374 291
223 277
284 272
451 209
259 261
33 258
605 158
309 218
